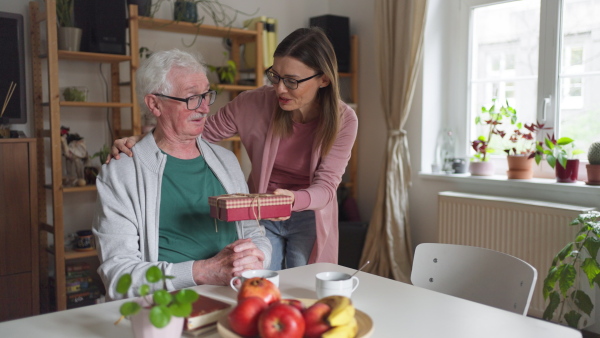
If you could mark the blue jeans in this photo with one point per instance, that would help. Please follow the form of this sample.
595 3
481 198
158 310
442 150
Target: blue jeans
292 240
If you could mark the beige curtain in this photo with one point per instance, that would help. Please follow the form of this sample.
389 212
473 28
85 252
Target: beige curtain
399 34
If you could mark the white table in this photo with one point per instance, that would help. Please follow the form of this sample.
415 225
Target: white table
397 310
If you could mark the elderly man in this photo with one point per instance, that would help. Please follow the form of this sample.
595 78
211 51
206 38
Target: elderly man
153 207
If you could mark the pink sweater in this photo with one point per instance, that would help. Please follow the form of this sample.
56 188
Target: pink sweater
249 115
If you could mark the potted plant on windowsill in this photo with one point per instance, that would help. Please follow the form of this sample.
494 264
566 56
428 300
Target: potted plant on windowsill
491 118
160 314
69 36
521 150
560 155
593 167
574 268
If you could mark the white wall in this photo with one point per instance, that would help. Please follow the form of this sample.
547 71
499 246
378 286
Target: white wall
291 14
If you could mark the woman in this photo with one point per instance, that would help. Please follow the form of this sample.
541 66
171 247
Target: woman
298 135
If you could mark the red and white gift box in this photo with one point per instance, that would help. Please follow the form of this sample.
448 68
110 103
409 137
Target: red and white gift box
241 207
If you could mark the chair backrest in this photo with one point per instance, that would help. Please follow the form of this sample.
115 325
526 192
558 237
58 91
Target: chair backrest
481 275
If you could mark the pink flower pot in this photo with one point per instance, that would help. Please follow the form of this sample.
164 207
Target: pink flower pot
593 172
481 168
568 174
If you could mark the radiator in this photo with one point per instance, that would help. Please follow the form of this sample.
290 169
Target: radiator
533 231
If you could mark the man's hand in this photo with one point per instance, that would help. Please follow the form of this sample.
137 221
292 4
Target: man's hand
235 258
123 145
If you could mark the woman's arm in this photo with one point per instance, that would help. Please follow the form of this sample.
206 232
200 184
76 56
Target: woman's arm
329 172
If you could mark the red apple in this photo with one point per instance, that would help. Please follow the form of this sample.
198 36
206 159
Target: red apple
293 302
243 319
261 288
315 320
281 321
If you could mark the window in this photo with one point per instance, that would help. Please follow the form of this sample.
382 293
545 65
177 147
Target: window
529 52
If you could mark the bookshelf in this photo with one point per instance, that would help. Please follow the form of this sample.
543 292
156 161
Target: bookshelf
53 258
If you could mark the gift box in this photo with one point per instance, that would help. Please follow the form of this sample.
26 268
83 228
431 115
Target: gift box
241 207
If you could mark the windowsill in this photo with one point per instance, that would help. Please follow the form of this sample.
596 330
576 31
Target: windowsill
540 184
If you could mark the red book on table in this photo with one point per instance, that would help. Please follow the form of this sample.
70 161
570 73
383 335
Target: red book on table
206 311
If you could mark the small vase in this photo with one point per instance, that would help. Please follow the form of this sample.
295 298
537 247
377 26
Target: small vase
519 167
142 328
481 168
69 38
185 10
568 174
593 174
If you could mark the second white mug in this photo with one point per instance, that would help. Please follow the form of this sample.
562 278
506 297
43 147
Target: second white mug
271 275
335 283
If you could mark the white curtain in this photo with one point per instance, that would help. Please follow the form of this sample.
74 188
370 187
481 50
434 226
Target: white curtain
399 33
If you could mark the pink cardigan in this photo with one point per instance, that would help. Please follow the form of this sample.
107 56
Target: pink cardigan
249 115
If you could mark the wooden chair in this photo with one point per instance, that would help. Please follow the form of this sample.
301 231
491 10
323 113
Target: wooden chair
481 275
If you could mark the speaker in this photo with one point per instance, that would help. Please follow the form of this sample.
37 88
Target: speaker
103 23
337 29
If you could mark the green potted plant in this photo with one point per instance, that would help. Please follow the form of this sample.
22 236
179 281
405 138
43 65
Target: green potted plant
227 73
69 36
491 118
102 154
573 269
560 155
593 167
158 309
520 149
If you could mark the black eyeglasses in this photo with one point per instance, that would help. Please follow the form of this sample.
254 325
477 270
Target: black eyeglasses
287 81
194 101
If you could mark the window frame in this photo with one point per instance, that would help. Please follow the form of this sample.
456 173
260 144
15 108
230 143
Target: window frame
549 59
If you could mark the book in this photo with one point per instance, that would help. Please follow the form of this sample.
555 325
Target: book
201 330
206 311
250 47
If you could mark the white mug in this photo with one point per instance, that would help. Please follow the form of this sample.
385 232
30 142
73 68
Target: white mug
335 283
271 275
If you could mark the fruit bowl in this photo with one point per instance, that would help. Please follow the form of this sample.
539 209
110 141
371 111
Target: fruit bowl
365 323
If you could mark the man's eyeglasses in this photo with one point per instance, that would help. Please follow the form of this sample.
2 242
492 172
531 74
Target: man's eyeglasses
194 101
287 81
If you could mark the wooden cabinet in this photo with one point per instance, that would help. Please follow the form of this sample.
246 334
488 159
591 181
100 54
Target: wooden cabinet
47 125
19 291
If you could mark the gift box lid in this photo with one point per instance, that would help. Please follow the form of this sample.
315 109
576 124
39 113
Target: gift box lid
231 201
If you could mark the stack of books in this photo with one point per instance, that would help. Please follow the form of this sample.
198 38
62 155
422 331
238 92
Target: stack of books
269 41
206 312
81 287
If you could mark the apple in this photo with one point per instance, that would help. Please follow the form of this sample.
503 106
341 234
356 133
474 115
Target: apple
315 320
293 302
281 321
243 319
261 288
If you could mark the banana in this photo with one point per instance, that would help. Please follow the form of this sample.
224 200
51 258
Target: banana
348 330
342 310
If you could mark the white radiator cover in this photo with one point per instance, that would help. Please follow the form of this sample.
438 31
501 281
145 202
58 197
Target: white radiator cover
533 231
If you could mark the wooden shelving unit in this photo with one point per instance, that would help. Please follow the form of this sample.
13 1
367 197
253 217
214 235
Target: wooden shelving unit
49 109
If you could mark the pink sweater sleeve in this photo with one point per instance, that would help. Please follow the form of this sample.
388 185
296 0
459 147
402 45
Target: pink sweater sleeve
329 172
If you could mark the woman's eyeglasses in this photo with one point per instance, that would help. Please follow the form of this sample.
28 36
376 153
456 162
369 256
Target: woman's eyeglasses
287 81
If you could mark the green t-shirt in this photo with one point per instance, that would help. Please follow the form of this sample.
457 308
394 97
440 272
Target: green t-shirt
186 230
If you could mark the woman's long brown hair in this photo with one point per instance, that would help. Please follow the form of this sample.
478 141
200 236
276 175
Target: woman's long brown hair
312 47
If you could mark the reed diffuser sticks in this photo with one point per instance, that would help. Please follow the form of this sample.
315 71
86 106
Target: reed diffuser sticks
11 90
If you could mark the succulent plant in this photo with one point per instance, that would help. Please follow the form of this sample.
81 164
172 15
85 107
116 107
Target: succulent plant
594 153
